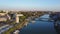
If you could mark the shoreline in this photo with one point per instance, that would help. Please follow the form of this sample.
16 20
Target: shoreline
17 27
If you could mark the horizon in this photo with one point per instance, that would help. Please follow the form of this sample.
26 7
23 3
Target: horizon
30 5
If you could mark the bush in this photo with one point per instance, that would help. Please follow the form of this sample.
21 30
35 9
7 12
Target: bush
22 18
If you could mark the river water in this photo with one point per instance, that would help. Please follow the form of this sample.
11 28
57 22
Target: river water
39 27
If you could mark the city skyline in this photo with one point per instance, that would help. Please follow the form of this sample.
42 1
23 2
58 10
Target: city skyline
47 5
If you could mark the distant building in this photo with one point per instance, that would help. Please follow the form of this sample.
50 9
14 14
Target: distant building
4 16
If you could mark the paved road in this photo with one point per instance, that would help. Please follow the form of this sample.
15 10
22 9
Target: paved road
5 28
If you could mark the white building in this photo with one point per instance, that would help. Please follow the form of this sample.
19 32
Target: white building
17 17
4 16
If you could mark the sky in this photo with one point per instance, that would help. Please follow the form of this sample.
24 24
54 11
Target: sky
47 5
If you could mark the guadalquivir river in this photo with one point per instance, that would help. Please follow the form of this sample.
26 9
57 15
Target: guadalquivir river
39 27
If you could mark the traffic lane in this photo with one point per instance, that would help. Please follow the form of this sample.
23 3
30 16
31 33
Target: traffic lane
3 26
5 29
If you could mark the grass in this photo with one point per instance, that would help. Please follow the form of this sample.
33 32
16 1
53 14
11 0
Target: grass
18 26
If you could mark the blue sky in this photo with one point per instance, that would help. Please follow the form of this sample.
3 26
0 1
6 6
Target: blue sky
52 5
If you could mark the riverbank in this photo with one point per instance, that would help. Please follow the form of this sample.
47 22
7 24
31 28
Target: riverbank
18 26
39 27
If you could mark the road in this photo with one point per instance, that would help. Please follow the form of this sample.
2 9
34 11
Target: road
5 28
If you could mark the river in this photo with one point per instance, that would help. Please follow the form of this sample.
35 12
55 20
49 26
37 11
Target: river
39 27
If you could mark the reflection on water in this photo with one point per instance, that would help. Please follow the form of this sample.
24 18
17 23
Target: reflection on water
57 29
39 27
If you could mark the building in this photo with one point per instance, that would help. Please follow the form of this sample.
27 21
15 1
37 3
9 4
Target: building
4 16
17 17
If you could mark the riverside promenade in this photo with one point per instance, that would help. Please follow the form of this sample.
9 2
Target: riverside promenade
16 27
